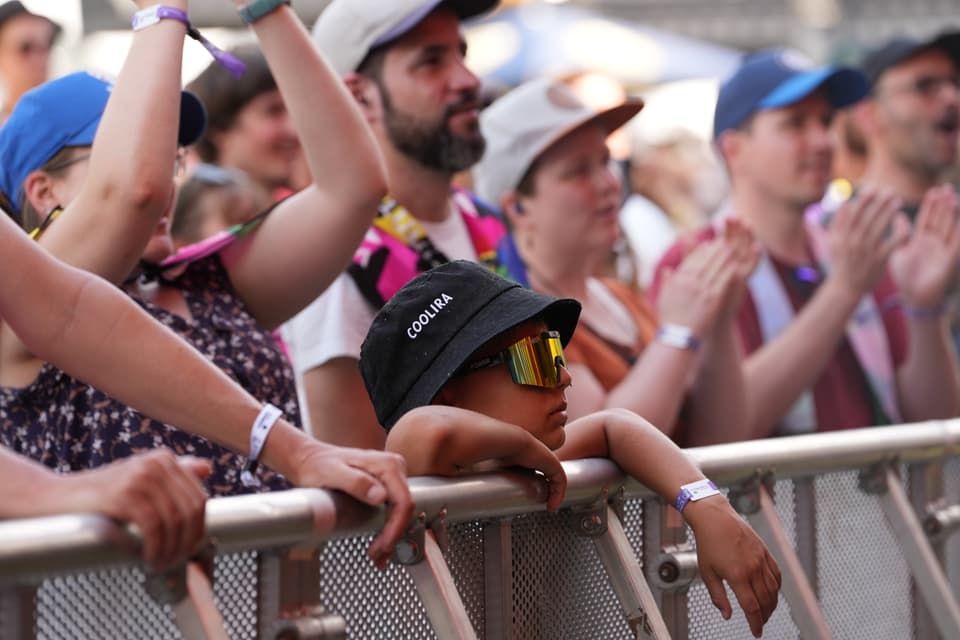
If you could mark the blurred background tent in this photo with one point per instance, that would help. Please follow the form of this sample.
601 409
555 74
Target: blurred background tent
528 41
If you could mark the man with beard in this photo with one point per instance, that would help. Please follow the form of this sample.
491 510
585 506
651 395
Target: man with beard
404 63
910 122
911 118
843 322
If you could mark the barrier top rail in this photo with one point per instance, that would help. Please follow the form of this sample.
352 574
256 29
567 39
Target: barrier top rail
30 548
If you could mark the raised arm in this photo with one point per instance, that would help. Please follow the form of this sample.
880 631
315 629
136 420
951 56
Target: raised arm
309 239
928 383
91 329
697 296
860 246
447 441
717 407
129 184
727 548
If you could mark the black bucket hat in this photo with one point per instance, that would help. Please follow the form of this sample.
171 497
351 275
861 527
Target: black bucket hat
430 328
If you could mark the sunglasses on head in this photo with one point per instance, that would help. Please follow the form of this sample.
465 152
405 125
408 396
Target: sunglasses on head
533 361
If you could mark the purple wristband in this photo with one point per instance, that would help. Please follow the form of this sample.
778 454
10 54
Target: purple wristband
694 491
924 313
152 15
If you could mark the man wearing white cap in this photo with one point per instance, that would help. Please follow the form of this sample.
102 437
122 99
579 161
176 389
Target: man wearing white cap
404 62
843 320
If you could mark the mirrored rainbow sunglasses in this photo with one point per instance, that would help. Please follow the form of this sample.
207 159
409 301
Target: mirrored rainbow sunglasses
533 361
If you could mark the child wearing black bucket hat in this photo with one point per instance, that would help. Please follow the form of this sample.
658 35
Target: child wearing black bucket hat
466 372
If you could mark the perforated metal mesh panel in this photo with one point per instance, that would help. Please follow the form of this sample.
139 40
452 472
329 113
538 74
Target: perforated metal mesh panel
465 559
560 587
104 605
374 604
113 604
864 581
633 527
235 590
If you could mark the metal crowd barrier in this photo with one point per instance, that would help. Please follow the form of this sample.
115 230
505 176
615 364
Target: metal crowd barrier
860 522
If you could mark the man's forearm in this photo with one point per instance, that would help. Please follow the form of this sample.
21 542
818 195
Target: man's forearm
928 383
780 371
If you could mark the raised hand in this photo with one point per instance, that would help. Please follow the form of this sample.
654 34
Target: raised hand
373 477
728 549
745 253
694 294
862 236
924 266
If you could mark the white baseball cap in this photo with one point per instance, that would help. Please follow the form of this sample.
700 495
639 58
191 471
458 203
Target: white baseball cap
348 30
525 122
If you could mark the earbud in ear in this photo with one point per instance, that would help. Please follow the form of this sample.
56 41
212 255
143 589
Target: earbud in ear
518 207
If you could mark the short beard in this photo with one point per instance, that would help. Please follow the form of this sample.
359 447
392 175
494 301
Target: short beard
433 145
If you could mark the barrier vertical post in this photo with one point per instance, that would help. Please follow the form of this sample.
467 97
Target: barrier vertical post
664 527
925 484
754 501
431 575
628 581
498 579
929 576
18 607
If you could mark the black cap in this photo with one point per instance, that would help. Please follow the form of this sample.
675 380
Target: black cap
430 328
902 48
16 8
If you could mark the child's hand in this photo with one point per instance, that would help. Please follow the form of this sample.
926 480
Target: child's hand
728 549
539 457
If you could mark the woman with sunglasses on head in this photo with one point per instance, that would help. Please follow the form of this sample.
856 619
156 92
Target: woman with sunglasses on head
466 372
547 165
114 206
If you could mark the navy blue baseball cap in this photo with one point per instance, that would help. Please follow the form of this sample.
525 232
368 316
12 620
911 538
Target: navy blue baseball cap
777 78
66 113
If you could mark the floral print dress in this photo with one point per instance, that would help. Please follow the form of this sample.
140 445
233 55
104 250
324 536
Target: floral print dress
68 425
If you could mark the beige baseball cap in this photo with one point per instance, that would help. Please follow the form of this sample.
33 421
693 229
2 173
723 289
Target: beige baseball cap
528 120
347 30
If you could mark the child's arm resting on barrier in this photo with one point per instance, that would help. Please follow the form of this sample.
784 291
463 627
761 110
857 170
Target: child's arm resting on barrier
446 441
727 548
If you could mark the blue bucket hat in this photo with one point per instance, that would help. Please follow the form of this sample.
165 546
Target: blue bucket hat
777 78
66 113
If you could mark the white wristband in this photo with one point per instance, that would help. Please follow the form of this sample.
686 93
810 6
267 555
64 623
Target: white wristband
678 337
267 417
694 491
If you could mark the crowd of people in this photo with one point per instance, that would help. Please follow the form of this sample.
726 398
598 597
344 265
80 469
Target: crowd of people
272 279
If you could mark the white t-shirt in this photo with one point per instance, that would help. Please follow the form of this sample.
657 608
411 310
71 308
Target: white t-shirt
335 324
